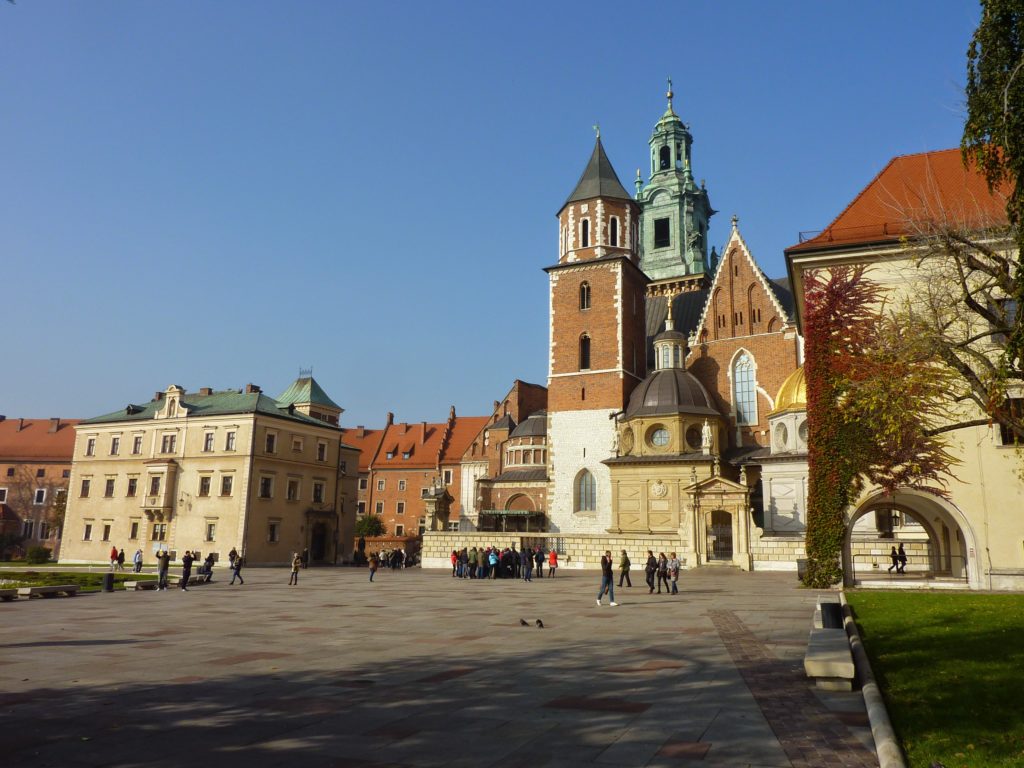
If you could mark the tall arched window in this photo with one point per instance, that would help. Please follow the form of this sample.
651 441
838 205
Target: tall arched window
584 352
665 159
586 492
613 231
585 233
744 391
584 295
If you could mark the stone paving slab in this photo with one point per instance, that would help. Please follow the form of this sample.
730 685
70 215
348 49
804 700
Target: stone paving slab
419 670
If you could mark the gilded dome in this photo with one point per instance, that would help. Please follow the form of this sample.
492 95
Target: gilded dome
793 393
670 391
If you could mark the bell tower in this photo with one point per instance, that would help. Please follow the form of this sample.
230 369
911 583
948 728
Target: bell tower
675 211
597 352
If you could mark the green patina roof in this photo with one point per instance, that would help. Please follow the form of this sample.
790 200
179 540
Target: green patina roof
216 404
598 179
306 390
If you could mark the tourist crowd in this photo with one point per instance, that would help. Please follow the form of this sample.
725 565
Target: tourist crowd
508 563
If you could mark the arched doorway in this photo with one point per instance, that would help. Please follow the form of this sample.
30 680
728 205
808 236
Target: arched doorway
937 538
720 536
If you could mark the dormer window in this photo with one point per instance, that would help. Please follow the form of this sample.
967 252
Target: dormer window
585 233
584 295
406 454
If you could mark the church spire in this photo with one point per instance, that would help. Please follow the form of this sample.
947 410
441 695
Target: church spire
599 178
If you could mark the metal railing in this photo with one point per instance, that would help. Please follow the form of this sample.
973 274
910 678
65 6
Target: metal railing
867 567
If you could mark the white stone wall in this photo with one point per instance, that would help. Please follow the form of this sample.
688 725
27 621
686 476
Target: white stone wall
579 440
785 496
467 493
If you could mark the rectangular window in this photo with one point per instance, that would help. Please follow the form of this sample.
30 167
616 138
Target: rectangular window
39 496
297 445
447 477
133 486
293 490
226 481
66 473
10 471
87 534
399 530
423 525
40 473
208 442
137 445
380 485
204 485
453 526
401 485
154 485
90 446
115 446
362 483
342 467
361 508
229 441
321 451
1015 410
662 233
44 530
266 487
273 532
211 532
108 490
159 532
85 488
133 530
106 531
167 443
3 495
271 443
379 509
318 493
400 508
28 528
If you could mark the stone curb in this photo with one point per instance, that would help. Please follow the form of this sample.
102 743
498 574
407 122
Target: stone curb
886 745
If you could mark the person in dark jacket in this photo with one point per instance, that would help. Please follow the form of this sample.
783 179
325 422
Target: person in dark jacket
526 563
663 573
607 579
236 569
650 569
624 566
163 562
902 555
894 556
186 569
538 558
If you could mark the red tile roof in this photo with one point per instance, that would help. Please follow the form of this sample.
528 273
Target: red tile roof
922 187
366 440
424 445
464 431
30 440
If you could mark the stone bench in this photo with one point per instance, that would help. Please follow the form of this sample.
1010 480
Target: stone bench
828 614
193 579
829 660
8 594
49 591
140 585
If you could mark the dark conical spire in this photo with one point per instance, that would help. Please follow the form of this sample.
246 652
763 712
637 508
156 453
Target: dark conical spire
599 179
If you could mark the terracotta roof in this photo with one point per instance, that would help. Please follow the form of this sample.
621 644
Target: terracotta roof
31 439
923 187
366 440
464 430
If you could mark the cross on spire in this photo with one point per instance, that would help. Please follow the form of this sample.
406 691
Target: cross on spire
597 129
669 94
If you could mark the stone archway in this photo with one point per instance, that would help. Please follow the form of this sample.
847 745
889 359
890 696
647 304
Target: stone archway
951 552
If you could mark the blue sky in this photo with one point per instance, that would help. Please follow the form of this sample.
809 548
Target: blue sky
216 193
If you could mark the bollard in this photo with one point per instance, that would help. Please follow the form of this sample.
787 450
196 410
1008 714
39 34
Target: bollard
108 582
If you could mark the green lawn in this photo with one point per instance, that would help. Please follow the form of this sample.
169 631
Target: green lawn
89 582
951 667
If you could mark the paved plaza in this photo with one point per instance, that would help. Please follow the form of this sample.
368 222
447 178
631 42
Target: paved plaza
419 669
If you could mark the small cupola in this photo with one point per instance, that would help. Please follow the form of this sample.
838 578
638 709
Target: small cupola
670 346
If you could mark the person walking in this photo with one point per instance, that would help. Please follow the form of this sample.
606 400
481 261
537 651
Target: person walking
137 560
663 573
232 555
120 560
673 572
113 558
650 568
236 568
894 556
186 569
374 563
624 570
163 562
538 558
607 579
901 554
296 564
552 563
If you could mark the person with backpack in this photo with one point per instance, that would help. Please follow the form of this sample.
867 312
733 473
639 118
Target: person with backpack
236 568
624 565
137 559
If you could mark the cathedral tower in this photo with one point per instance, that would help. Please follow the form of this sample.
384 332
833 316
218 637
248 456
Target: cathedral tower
597 351
675 211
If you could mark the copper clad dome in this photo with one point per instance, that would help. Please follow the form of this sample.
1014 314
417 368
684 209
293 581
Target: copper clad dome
668 392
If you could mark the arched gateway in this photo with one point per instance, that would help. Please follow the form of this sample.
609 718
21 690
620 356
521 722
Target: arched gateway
940 543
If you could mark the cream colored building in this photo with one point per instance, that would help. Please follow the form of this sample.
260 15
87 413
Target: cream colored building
211 471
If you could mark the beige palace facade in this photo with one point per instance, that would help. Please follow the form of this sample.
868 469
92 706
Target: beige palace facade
211 471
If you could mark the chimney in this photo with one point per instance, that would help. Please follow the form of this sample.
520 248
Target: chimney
206 390
403 428
391 419
252 389
158 396
451 412
423 432
54 425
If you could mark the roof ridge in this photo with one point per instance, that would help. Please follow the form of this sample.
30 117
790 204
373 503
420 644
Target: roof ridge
860 194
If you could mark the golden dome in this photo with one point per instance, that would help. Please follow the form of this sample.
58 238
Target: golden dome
793 393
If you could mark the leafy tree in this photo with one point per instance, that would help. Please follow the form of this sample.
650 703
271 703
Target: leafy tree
994 131
370 525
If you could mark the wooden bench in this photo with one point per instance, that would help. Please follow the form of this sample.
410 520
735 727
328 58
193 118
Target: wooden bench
140 585
8 594
49 591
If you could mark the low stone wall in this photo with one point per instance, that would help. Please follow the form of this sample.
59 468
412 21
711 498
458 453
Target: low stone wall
578 551
774 552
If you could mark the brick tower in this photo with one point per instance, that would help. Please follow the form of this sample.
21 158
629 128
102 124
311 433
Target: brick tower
597 349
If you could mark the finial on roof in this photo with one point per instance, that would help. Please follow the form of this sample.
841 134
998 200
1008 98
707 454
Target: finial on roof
669 94
597 129
639 183
735 222
306 373
668 317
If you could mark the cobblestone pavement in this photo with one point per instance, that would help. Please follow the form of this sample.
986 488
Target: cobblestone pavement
419 669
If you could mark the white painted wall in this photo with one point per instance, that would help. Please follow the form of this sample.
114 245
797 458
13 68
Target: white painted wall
578 440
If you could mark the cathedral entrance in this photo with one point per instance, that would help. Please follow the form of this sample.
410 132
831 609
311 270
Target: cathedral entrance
720 536
318 543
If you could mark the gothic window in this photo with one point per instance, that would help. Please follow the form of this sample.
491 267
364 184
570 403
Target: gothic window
665 159
586 492
584 295
585 233
744 392
662 233
584 352
613 231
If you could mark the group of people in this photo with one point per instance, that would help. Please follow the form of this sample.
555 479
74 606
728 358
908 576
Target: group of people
508 563
899 559
117 560
664 569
